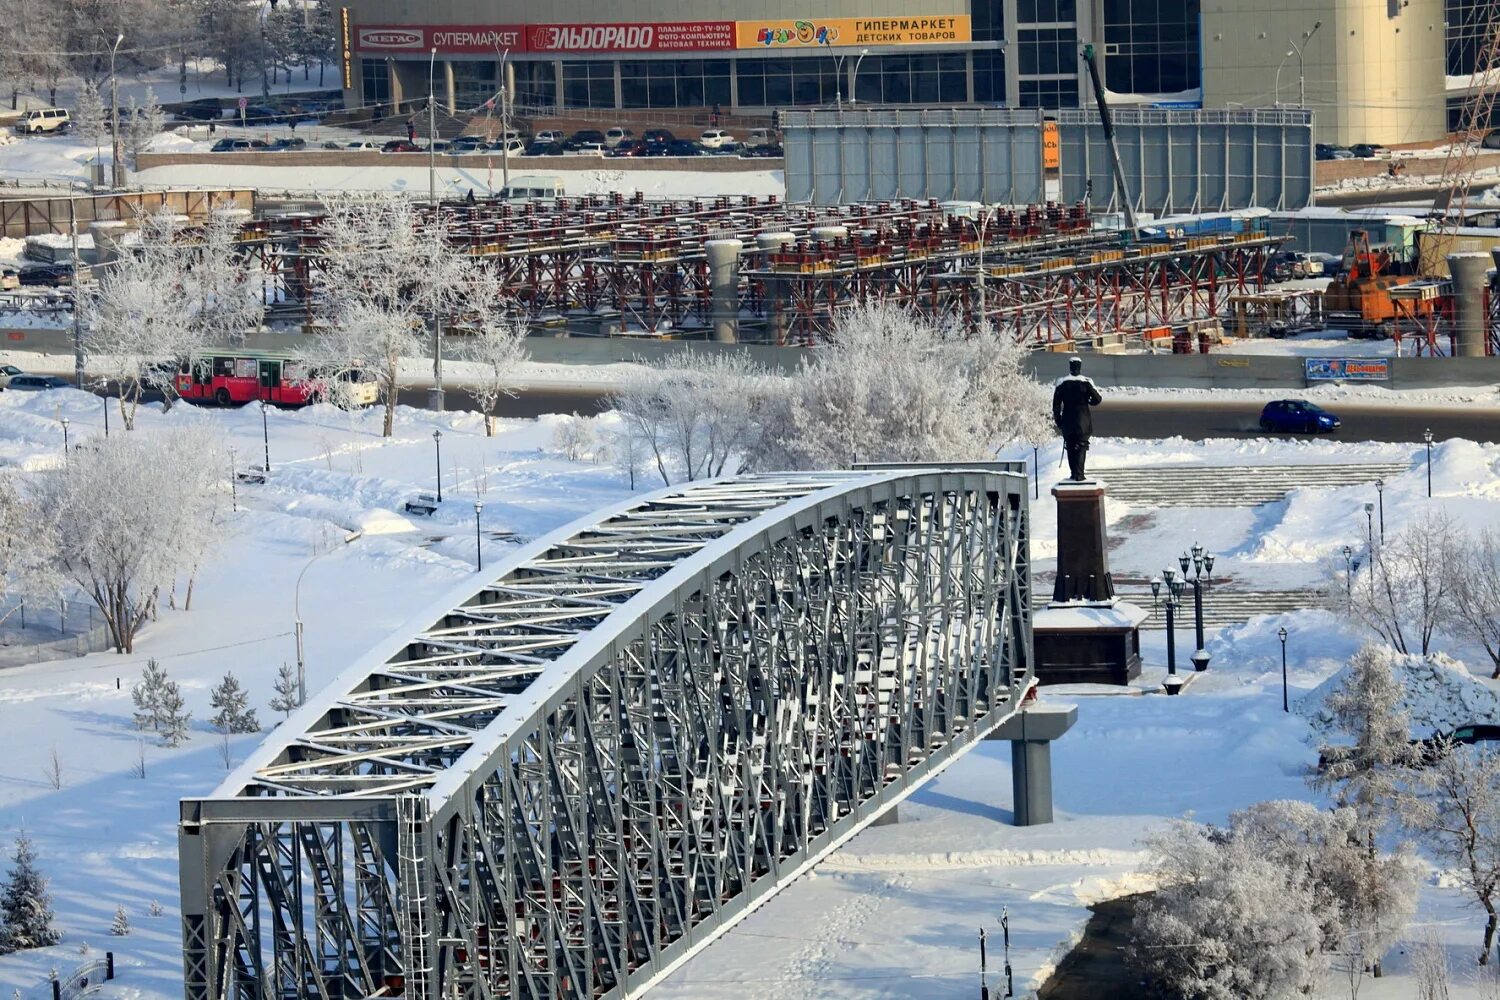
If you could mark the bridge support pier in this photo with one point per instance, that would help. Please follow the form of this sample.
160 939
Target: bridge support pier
1031 732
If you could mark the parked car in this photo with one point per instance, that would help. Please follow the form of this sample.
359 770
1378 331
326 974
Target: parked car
1279 268
764 150
468 143
583 137
540 148
199 111
547 136
238 145
1328 151
714 138
682 147
1365 150
613 137
40 120
761 137
1331 263
1296 416
7 372
1431 750
48 275
401 146
587 149
363 144
657 137
1491 139
288 142
512 147
627 147
10 279
37 383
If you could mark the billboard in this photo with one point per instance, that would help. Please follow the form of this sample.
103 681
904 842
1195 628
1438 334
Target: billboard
1348 369
475 38
802 33
675 36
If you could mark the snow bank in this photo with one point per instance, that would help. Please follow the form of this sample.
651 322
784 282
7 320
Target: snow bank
1439 693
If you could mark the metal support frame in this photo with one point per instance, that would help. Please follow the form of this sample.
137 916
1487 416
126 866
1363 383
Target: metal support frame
639 729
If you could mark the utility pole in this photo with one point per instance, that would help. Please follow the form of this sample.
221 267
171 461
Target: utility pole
435 395
117 170
504 122
77 300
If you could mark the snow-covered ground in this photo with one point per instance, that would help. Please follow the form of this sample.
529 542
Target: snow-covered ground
893 914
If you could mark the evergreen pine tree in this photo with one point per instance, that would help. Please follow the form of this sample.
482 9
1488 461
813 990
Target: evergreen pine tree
25 904
88 114
147 696
174 718
286 691
121 925
233 703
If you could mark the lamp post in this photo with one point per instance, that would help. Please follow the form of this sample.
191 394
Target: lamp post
117 174
1380 499
265 436
64 422
854 79
1155 594
1201 562
1281 634
1174 594
1301 74
985 214
1348 574
1427 437
1036 472
478 551
432 129
504 122
297 617
1279 68
437 444
1370 527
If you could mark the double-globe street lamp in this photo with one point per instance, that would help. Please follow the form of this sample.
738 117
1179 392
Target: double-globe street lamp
1202 564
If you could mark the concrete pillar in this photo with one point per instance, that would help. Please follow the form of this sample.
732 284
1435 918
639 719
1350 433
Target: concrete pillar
509 83
398 91
724 285
1470 273
775 291
1031 732
449 88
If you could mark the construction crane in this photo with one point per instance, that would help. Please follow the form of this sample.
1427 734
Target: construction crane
1458 167
1107 121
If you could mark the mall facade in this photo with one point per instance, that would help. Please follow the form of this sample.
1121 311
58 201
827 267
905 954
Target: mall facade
1374 70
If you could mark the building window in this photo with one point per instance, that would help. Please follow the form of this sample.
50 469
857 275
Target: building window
987 20
1050 94
923 79
989 76
1047 11
375 81
1151 46
536 84
474 83
674 83
1048 51
772 83
1468 25
588 84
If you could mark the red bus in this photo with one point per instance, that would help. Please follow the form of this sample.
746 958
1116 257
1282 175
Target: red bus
233 377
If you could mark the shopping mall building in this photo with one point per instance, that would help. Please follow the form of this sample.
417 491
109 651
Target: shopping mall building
1374 70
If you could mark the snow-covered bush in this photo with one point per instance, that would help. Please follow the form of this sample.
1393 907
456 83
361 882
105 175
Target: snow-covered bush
26 904
233 704
495 341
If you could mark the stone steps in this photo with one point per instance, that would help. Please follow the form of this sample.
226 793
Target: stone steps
1221 608
1231 485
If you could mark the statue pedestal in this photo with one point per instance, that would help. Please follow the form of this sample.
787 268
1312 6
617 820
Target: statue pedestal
1085 635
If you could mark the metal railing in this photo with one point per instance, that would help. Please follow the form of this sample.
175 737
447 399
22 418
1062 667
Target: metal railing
85 980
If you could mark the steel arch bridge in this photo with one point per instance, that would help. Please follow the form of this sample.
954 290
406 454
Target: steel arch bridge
633 733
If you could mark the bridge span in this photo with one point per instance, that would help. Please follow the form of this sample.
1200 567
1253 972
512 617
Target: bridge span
570 775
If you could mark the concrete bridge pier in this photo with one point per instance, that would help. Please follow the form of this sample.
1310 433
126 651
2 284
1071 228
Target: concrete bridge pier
1031 732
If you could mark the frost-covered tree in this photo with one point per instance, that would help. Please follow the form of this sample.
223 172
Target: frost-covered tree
88 113
1455 815
146 694
387 274
495 341
144 123
175 718
24 566
1226 922
25 904
1364 768
574 436
234 713
120 926
1475 594
221 286
892 386
126 516
286 691
694 416
1403 593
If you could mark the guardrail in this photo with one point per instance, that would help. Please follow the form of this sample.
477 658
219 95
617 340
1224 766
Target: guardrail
85 980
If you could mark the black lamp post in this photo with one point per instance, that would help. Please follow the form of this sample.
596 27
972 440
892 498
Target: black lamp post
1380 499
437 443
1155 594
1281 634
1201 563
1036 472
64 422
1348 574
265 436
478 552
1427 437
1174 594
1370 526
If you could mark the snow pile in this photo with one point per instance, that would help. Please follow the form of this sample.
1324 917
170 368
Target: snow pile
1440 694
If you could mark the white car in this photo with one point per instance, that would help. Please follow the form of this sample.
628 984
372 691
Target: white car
760 137
714 138
512 147
364 144
39 120
6 371
617 135
547 135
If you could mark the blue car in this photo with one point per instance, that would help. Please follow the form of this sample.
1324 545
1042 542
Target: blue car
1296 416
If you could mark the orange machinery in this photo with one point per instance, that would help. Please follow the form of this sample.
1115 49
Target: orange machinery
1359 300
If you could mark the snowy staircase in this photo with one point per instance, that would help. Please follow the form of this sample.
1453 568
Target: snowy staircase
1231 485
1221 608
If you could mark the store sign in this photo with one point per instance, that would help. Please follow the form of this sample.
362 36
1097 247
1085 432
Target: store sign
476 38
800 33
1348 369
346 47
676 36
1051 147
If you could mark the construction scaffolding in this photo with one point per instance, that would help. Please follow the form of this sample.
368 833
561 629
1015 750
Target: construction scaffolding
574 776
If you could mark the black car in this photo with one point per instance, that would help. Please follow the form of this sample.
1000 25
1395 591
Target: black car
683 147
1431 750
37 383
237 145
657 137
263 114
583 137
1365 150
47 275
286 143
767 150
544 149
199 111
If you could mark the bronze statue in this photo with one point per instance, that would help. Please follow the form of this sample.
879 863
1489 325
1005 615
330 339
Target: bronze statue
1071 402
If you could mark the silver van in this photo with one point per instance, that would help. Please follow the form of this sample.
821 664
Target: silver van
39 120
529 186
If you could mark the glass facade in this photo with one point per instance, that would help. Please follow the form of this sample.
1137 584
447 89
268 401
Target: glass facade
787 82
588 84
1467 23
536 84
474 83
1046 11
1152 46
664 83
375 81
1049 94
989 76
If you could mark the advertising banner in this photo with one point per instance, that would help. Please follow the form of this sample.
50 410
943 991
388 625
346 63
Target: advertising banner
459 38
1348 369
801 33
676 36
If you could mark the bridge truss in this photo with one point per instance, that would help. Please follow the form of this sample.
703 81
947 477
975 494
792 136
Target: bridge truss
583 770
